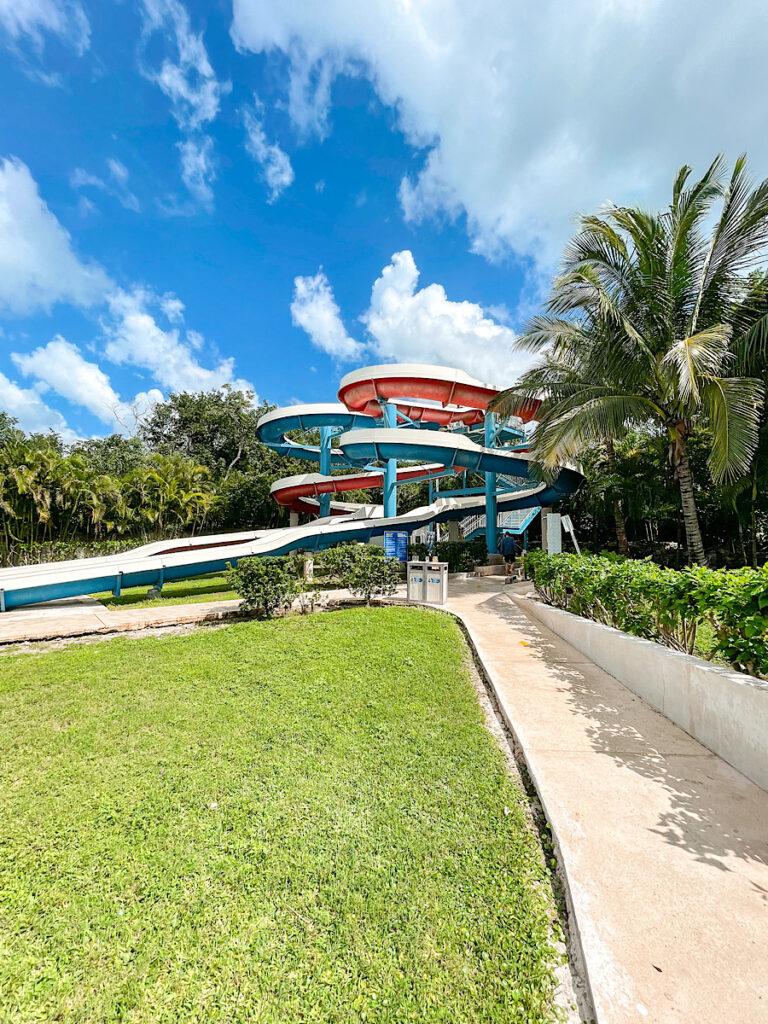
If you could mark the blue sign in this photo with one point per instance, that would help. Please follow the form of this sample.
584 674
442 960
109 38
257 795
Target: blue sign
396 544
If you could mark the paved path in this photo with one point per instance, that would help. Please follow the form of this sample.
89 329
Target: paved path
665 846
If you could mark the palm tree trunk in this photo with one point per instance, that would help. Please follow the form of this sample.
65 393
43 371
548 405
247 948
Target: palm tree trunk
622 544
753 517
688 500
740 525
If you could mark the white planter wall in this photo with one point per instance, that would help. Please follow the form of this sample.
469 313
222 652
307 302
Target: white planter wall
726 711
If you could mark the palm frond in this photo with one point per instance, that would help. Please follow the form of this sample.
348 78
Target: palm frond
701 354
738 241
544 330
732 406
751 348
590 414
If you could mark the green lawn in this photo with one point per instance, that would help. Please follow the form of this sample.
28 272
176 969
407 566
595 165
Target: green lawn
203 588
301 820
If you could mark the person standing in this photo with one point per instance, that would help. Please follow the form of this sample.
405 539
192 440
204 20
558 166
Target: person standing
508 547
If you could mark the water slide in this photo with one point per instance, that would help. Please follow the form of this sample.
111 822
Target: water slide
392 424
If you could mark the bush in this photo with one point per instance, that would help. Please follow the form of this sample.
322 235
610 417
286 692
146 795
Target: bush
362 568
461 555
665 605
266 585
369 575
336 563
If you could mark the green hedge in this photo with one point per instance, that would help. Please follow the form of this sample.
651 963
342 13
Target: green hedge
268 584
671 607
461 555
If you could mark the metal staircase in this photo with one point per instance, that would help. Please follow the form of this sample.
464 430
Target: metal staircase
517 521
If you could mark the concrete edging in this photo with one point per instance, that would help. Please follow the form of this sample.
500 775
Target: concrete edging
726 711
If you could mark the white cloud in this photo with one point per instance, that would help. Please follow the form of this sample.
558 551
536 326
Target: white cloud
59 365
118 187
314 308
197 167
118 170
26 406
38 265
408 324
190 82
193 89
84 179
532 112
422 325
172 307
135 338
275 164
33 18
85 207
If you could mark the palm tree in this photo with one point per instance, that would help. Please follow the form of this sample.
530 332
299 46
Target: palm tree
638 331
750 347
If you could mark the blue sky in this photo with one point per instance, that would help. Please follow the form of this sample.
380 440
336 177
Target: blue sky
271 192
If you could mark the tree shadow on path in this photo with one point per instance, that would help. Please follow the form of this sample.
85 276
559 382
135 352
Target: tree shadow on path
714 812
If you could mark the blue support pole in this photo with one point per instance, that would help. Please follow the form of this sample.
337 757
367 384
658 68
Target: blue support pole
326 434
389 412
491 540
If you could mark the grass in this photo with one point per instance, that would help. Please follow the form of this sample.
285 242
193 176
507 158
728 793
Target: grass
301 820
202 588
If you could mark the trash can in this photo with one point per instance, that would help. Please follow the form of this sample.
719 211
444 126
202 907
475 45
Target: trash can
415 576
428 582
436 582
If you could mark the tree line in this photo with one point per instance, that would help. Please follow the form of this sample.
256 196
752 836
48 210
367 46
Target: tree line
195 464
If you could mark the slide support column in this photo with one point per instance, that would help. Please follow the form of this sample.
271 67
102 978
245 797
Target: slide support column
325 467
491 540
389 412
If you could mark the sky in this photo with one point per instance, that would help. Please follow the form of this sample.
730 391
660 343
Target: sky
269 193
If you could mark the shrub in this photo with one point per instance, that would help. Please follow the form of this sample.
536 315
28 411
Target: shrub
266 585
337 562
665 605
369 575
461 555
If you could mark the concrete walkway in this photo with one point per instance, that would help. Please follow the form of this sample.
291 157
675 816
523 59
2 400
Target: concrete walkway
664 845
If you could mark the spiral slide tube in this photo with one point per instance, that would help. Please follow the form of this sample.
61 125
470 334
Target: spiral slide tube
432 419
